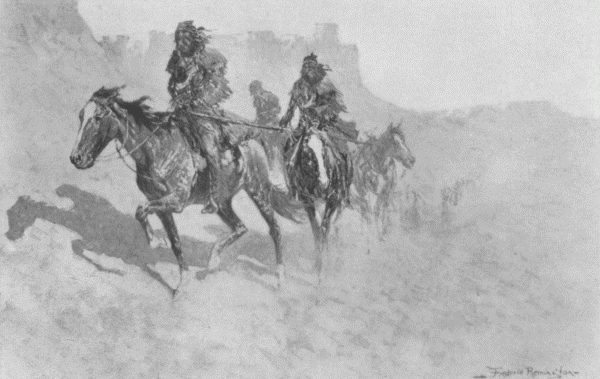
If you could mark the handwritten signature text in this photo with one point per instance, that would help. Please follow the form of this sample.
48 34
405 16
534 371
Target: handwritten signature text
528 372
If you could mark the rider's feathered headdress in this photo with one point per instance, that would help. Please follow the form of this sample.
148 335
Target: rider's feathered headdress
186 29
310 58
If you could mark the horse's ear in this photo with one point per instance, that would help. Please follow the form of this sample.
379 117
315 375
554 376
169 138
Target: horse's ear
116 92
95 94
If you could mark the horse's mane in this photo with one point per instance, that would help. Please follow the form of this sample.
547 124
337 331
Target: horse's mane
142 113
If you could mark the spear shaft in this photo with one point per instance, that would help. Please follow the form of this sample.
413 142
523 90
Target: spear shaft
230 121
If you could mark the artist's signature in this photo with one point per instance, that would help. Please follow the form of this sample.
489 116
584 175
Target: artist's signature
527 372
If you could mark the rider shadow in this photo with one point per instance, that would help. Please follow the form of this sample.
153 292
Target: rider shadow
103 229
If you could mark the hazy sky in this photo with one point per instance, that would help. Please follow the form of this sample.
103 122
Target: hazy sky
420 54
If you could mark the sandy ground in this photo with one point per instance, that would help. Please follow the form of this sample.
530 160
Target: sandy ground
513 285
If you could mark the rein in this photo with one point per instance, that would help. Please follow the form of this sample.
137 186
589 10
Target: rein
128 124
119 149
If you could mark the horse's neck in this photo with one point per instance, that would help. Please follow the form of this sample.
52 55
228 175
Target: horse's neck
380 153
53 214
134 138
371 157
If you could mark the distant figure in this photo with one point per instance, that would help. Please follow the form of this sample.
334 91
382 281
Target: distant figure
320 104
198 84
267 114
377 162
266 104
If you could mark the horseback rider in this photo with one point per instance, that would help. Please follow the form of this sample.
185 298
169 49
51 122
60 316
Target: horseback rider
320 104
267 108
266 104
198 84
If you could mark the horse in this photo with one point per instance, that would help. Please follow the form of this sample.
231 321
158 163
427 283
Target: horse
376 175
172 175
318 172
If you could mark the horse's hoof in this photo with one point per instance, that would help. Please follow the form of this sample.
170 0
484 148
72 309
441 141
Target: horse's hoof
155 243
214 262
185 278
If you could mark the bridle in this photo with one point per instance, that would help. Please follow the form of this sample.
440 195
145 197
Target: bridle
111 157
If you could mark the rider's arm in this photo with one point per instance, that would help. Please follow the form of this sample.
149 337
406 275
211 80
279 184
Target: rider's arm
289 114
173 62
172 69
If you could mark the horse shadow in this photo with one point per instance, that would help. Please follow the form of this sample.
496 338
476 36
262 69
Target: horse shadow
105 230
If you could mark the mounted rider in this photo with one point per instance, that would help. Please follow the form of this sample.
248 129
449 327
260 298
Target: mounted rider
320 104
266 104
267 108
198 84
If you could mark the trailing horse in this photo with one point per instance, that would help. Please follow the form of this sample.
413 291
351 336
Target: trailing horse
317 172
172 175
376 175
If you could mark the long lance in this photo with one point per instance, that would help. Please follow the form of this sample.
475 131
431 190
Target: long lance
230 121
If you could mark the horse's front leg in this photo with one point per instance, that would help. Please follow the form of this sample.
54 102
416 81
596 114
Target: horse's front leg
260 198
332 205
317 234
169 224
237 227
153 240
174 202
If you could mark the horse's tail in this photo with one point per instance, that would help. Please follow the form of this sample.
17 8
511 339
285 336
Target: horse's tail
259 176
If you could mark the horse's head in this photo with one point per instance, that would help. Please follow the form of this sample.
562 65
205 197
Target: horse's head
98 126
400 150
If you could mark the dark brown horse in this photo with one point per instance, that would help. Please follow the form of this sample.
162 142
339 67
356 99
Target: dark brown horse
172 175
319 173
377 174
